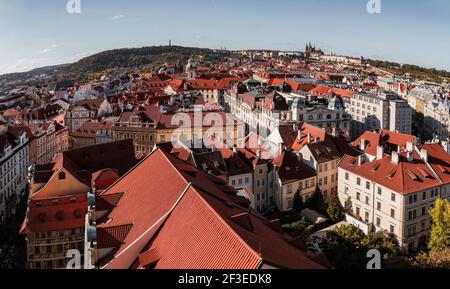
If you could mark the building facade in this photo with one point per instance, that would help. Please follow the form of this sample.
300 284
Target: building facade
394 192
14 163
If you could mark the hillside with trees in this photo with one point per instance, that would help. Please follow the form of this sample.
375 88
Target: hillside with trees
137 57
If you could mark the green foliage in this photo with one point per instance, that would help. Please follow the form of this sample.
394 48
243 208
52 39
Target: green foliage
136 57
334 208
414 70
297 229
291 217
440 231
435 259
316 202
298 204
347 247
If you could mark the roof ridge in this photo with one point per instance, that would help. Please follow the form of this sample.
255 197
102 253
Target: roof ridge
256 254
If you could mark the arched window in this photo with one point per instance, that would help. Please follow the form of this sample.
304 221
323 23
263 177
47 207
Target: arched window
78 214
62 176
60 215
42 217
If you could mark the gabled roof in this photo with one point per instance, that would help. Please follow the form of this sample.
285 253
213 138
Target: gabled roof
404 177
183 218
291 169
383 138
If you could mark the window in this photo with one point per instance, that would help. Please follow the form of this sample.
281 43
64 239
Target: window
424 211
392 213
358 196
424 195
379 191
367 217
358 210
379 206
393 197
59 216
347 176
62 176
358 181
413 199
392 229
412 214
289 189
367 200
378 222
368 185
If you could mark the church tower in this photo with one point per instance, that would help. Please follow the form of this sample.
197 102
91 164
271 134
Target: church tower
191 69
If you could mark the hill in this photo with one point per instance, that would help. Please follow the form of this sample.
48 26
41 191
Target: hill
136 57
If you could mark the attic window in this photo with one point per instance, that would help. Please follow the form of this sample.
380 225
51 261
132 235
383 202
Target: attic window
392 173
423 173
376 167
78 214
42 218
60 216
62 176
412 176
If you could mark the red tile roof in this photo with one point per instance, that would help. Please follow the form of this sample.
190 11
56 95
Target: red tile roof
383 138
291 169
183 218
404 177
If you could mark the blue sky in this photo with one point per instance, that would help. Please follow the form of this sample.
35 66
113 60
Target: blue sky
38 33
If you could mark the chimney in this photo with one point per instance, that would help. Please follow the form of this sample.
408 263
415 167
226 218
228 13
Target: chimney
299 135
424 155
363 144
299 157
309 138
360 160
395 157
409 146
334 132
380 152
410 156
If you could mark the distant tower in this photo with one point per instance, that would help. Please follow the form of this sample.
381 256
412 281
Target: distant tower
170 43
191 69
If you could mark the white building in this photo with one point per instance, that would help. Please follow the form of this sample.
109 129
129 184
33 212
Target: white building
379 111
394 192
14 163
437 119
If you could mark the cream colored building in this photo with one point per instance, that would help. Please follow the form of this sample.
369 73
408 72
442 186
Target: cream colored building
394 193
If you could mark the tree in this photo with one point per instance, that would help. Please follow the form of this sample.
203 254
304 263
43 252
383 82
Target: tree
316 201
298 204
387 244
297 229
346 247
434 259
334 208
440 231
343 248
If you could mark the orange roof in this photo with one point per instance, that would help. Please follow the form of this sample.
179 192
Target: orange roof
383 138
404 177
205 229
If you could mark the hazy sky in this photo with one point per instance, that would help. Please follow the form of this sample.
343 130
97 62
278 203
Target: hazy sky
38 33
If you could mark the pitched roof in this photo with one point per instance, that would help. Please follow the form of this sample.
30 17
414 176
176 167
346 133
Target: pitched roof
405 177
291 169
385 138
183 218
